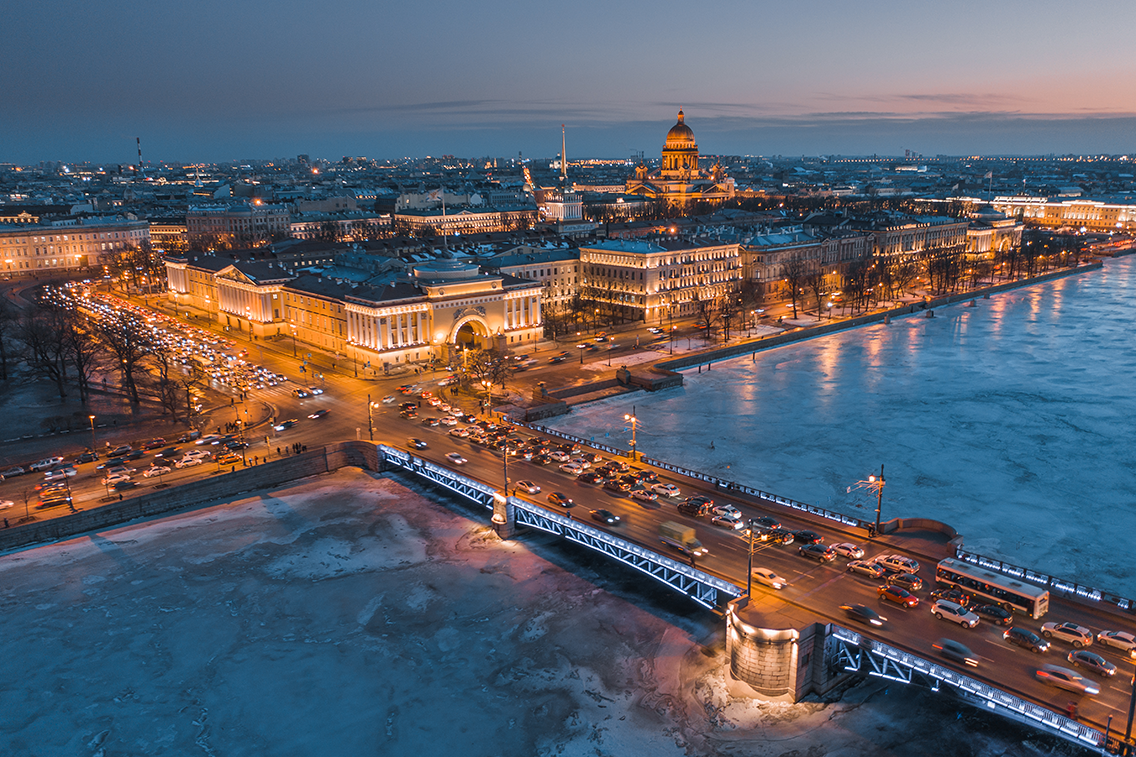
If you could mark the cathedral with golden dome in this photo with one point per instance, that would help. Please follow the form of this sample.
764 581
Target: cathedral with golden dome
679 180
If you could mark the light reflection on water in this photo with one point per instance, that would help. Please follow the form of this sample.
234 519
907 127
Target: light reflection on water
1012 421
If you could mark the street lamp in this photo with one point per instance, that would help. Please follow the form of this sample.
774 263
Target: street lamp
878 485
634 428
370 418
241 438
293 324
92 419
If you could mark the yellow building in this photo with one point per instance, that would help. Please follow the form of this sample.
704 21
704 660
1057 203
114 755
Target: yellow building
67 243
1086 215
679 180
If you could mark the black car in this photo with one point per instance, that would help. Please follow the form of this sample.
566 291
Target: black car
863 614
87 457
953 650
122 485
781 536
111 462
955 595
692 509
593 477
908 581
416 443
765 522
617 486
168 453
1025 639
808 537
698 499
605 516
817 552
994 614
541 459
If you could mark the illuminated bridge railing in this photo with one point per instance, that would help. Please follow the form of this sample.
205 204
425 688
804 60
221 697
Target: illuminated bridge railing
721 484
1072 589
849 651
707 590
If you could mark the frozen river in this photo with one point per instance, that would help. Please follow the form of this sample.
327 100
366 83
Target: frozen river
1011 421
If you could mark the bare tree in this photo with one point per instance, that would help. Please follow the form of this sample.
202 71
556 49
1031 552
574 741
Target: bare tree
84 350
813 281
794 273
706 313
128 343
9 325
42 332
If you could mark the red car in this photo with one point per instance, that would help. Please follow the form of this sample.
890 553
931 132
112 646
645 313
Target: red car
899 596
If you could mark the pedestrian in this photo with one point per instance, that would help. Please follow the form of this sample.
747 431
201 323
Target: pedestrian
119 498
233 470
278 452
5 523
420 403
692 561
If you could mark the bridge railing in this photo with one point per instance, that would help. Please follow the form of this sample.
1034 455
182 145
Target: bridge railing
721 484
1073 589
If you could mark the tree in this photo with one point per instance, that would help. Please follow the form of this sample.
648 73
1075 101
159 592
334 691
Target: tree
42 332
167 386
706 313
794 273
126 340
813 281
9 324
84 351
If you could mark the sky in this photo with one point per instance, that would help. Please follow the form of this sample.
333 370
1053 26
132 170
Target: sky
214 80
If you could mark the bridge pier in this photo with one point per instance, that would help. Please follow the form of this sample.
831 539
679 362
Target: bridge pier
504 516
776 661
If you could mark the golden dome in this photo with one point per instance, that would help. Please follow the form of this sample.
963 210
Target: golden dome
680 132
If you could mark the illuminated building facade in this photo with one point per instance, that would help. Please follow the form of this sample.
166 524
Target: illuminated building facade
1087 215
679 180
67 243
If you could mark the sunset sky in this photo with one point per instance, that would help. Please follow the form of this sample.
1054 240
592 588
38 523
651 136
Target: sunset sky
211 80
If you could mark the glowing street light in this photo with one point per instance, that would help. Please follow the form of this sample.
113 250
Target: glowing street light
634 428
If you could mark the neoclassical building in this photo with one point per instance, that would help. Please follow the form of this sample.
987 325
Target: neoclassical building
403 319
679 179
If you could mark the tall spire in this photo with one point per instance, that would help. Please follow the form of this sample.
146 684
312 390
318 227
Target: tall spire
563 159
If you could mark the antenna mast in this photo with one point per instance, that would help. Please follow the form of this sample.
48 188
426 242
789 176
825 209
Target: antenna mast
563 159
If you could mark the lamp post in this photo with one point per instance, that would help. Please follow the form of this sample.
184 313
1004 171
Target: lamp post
749 568
878 485
92 420
370 418
634 428
293 324
241 438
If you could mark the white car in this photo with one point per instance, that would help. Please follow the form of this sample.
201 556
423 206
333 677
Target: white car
455 458
156 470
644 494
187 462
1118 639
116 478
389 399
1078 636
59 473
769 578
528 487
725 521
208 439
844 549
197 454
729 511
571 469
559 456
448 420
457 412
6 503
944 610
461 433
667 490
50 462
897 563
582 462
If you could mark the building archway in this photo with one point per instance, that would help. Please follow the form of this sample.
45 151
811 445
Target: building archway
471 332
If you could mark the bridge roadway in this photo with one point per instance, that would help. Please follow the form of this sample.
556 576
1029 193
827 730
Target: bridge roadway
816 590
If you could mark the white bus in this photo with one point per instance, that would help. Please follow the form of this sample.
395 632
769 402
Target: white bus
1007 591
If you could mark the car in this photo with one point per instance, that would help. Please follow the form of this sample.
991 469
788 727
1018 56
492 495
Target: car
605 516
389 399
654 330
198 454
236 445
905 581
897 563
301 393
416 443
448 420
994 613
121 449
571 469
946 610
615 485
897 595
208 439
1091 661
591 457
59 473
87 457
430 422
728 510
170 452
865 568
279 426
134 455
559 498
1064 678
119 469
645 495
229 458
47 464
115 478
460 433
455 458
1078 636
315 390
589 477
319 414
864 614
816 552
723 521
156 470
953 594
769 578
6 503
154 443
956 651
765 522
782 536
189 462
189 436
124 485
528 487
1026 639
844 549
666 490
808 537
581 462
1118 640
15 470
559 456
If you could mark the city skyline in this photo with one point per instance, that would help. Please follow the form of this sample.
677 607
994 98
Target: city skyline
215 82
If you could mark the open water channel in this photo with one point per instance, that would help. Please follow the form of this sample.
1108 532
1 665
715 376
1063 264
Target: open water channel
1012 421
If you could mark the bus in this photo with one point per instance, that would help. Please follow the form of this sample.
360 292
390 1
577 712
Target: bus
1007 591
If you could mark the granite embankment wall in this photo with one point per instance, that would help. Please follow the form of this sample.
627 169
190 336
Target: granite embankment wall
147 503
810 332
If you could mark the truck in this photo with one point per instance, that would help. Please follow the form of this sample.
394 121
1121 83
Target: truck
681 538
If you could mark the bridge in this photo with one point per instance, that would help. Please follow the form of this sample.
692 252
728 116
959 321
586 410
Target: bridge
795 641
